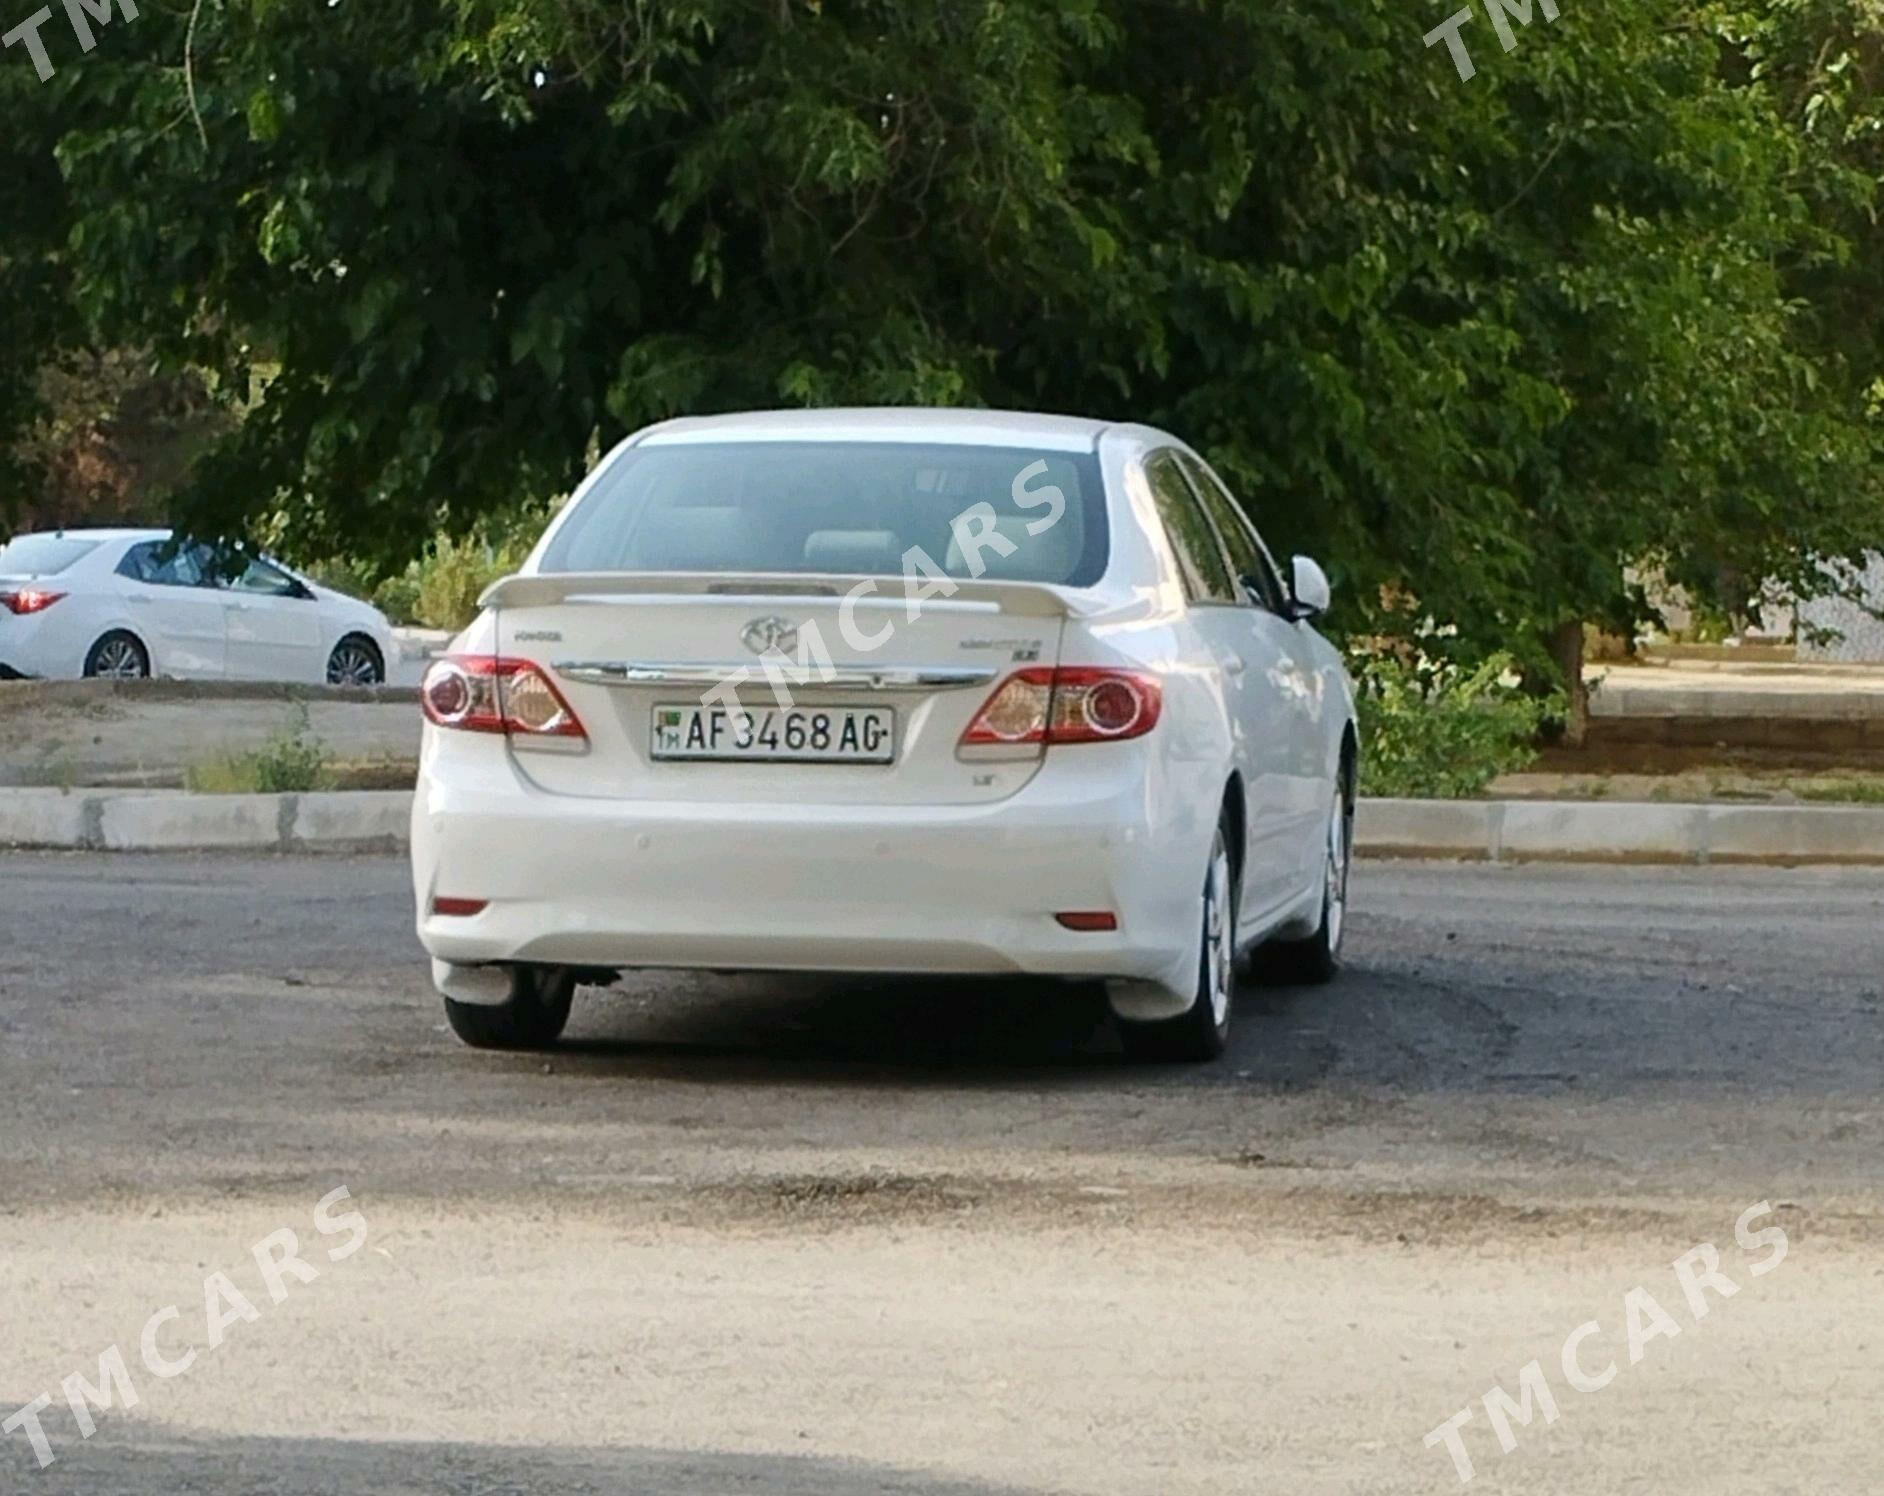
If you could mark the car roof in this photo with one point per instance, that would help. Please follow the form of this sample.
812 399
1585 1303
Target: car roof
994 428
98 535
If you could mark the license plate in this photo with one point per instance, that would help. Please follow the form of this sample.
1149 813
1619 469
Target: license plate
791 735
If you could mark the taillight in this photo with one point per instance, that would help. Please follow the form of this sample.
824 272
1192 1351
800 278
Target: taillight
29 600
1071 704
482 693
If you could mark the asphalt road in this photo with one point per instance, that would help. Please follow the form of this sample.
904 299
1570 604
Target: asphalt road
846 1237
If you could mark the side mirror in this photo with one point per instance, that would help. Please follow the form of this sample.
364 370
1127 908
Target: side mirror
1308 584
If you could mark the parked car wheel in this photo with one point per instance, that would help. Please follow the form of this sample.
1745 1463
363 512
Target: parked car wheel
533 1017
356 662
117 656
1317 958
1201 1031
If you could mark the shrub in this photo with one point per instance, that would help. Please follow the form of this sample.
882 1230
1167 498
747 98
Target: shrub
453 573
452 576
396 596
440 590
342 573
1437 731
290 762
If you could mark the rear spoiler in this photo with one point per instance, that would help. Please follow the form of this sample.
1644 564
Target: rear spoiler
804 589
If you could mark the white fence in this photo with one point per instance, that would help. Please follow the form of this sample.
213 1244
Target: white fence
1863 641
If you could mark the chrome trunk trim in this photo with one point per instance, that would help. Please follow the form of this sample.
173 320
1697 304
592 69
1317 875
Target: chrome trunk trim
805 677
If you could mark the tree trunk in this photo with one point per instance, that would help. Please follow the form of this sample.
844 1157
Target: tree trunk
1566 648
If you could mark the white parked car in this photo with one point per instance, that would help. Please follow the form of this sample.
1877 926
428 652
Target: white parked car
890 691
129 603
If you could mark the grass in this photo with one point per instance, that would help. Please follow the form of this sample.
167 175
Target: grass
1845 791
253 774
290 762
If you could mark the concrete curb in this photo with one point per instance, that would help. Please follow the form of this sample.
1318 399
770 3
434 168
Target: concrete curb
169 821
1726 703
1469 830
1602 831
21 694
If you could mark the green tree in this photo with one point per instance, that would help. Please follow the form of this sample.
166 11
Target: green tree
1480 344
114 437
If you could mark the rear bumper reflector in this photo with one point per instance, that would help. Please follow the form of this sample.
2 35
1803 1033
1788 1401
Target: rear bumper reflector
1089 921
459 907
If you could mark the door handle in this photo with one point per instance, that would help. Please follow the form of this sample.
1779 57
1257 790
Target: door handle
138 597
1234 665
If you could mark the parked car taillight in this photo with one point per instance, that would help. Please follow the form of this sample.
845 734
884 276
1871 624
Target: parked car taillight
1071 704
482 693
29 600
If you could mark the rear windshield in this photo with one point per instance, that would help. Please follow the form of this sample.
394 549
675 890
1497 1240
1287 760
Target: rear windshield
41 555
853 508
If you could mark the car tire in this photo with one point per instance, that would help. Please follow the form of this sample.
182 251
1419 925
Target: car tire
533 1017
356 661
1316 959
118 655
1201 1032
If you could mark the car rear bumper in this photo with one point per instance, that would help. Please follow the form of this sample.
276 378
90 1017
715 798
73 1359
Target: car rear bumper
920 889
26 651
52 644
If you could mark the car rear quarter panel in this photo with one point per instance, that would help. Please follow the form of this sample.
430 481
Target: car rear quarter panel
1147 626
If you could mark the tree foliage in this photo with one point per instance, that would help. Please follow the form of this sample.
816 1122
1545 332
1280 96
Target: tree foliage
1477 343
112 432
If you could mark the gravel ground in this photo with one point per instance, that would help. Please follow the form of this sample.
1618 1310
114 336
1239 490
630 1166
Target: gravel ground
746 1234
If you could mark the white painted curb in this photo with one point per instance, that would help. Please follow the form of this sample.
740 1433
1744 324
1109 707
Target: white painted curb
1605 831
1472 830
163 821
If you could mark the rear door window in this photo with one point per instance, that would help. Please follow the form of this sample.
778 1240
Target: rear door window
1248 555
1205 572
164 563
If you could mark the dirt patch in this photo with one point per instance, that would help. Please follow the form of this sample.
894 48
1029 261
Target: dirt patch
1691 777
149 734
855 1199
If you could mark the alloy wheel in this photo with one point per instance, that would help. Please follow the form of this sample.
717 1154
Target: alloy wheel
118 659
1219 935
352 665
1340 857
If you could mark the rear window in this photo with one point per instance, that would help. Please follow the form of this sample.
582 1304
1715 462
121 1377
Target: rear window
41 555
852 508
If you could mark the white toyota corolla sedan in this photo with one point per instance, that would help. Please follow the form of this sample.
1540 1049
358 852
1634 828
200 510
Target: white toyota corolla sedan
893 691
128 603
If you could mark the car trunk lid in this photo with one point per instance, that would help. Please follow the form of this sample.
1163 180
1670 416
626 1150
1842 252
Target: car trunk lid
813 664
